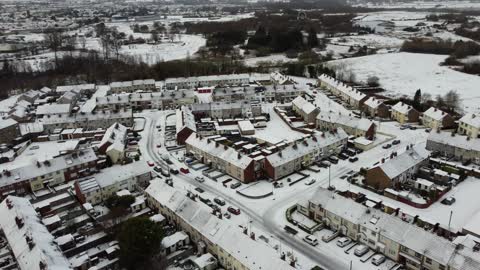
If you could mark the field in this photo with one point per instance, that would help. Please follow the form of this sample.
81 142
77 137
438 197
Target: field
404 73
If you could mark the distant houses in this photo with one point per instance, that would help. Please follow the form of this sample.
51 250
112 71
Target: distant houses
469 125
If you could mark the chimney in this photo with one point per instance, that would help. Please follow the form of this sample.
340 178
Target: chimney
19 222
9 203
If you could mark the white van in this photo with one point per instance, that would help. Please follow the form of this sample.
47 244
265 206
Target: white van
312 240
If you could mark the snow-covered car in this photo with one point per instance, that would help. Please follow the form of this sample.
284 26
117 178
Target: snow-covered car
360 250
378 259
310 239
150 163
344 241
200 179
310 182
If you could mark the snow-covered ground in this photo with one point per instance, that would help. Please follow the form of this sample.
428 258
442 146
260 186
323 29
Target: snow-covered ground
274 58
151 54
464 5
404 73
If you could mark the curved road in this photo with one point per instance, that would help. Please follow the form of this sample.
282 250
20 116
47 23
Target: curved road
267 220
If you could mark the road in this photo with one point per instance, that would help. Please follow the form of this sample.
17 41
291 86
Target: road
266 221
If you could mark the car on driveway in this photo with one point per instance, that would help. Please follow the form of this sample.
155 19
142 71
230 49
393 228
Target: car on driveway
378 259
353 159
360 250
386 146
343 242
200 179
310 239
150 163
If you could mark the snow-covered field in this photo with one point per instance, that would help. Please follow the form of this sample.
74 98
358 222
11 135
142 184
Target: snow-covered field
151 54
423 5
404 73
274 58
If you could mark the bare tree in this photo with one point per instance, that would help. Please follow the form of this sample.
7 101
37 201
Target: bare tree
452 99
83 42
54 40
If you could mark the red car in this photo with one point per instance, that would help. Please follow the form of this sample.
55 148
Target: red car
150 163
184 170
233 210
159 145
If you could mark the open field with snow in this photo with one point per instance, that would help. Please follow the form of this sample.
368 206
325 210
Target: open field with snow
271 59
404 73
463 5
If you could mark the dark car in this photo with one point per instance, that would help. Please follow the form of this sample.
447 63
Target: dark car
448 201
395 142
173 171
386 146
157 169
200 190
342 156
219 201
233 210
353 159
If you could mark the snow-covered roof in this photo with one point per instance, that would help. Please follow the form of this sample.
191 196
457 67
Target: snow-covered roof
253 254
373 102
157 218
245 125
402 107
404 161
44 250
53 108
458 141
345 120
303 105
409 235
173 239
309 145
204 261
40 151
31 170
110 176
115 135
471 119
5 123
78 87
435 113
213 78
229 154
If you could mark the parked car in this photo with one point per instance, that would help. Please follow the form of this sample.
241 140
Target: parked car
159 145
157 169
225 182
333 159
200 179
200 190
343 242
386 146
448 201
184 170
343 156
173 171
395 142
150 163
181 159
219 201
235 185
310 182
353 159
233 210
310 239
168 161
324 164
378 259
360 250
227 215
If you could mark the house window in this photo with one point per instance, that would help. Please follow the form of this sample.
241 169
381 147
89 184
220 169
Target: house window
428 260
441 267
